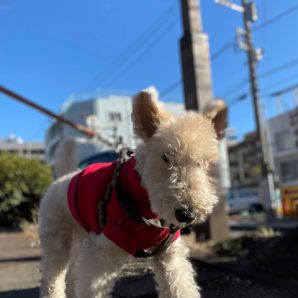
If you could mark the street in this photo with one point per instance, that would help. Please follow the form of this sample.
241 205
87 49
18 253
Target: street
267 269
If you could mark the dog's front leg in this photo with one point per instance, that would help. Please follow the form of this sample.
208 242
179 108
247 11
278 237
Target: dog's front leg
100 265
174 273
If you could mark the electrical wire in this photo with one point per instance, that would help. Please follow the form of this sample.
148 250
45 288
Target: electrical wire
265 95
242 97
276 18
265 24
213 57
256 28
225 47
141 54
230 44
267 63
134 47
283 91
170 88
280 82
244 82
279 68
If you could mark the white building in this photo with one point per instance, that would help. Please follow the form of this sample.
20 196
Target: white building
30 150
284 145
109 115
231 136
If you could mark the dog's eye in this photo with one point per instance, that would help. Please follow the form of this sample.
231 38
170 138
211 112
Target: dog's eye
165 158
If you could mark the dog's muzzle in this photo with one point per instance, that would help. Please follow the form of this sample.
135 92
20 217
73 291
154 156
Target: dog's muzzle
184 215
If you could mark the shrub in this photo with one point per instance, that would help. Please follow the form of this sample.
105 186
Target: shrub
23 182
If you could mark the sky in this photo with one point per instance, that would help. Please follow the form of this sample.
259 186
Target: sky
50 50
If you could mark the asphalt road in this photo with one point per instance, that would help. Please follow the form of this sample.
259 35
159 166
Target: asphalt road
20 257
20 275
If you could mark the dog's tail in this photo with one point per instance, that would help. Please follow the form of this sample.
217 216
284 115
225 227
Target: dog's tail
66 157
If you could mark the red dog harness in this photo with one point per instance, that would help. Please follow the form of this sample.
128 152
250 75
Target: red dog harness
87 190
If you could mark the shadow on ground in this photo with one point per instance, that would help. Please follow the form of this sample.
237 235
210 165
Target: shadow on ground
266 268
26 293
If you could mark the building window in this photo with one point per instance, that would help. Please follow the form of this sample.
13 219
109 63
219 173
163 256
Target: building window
283 141
289 170
115 116
37 151
55 129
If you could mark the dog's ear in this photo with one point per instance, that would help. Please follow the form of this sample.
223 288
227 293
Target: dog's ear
217 111
147 113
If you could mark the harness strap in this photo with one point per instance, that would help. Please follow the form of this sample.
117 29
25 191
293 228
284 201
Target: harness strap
102 205
161 248
132 211
127 204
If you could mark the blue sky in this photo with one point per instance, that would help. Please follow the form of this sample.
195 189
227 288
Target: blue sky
51 49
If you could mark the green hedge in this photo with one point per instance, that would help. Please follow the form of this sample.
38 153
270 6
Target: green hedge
23 182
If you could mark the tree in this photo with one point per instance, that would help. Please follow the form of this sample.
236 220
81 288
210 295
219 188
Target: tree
23 182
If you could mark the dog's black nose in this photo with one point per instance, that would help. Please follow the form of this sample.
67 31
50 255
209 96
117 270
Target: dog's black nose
184 215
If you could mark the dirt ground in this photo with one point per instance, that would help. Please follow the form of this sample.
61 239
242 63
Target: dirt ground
263 267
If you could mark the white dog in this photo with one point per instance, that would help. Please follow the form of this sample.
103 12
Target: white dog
92 222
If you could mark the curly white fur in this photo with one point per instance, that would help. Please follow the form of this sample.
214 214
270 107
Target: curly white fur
78 264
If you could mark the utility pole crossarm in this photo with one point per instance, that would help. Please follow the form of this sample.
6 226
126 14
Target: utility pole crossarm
231 5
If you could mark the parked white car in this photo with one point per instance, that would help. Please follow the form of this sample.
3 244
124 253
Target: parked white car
243 199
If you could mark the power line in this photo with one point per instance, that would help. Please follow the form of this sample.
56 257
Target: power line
244 82
141 54
170 88
276 18
141 40
238 99
261 26
264 38
135 46
213 57
273 94
228 45
286 79
231 43
279 68
236 87
283 91
279 93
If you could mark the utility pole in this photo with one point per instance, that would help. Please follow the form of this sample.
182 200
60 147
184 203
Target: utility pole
245 42
194 49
